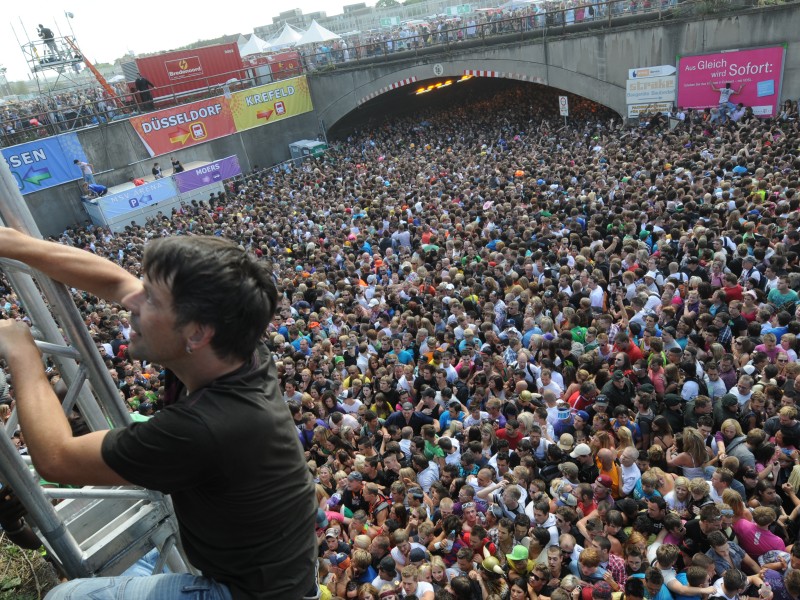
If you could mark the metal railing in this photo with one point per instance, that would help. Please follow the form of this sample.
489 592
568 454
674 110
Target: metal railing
43 118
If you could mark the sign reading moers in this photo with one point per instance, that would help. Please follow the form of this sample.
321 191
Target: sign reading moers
183 68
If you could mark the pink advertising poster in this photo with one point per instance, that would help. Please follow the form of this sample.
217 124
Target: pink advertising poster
754 74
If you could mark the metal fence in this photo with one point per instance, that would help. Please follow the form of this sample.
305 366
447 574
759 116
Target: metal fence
48 116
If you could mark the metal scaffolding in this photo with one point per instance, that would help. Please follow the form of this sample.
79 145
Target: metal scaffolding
94 531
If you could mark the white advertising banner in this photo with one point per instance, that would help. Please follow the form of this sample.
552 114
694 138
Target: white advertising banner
652 89
635 109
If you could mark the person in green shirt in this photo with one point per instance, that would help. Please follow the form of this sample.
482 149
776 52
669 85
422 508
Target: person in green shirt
782 295
432 451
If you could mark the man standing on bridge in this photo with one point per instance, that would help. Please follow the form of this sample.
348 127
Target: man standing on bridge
143 86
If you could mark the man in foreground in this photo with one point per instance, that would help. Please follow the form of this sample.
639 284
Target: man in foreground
224 446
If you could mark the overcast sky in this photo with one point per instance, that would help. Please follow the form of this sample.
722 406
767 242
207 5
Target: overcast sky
107 31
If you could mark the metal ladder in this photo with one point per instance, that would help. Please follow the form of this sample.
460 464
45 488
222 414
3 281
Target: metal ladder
93 531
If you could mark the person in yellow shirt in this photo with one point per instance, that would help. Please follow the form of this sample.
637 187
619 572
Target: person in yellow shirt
608 467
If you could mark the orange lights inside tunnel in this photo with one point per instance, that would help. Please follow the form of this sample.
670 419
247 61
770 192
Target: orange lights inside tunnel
441 84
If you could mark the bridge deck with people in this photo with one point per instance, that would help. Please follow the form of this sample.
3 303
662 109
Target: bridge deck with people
91 106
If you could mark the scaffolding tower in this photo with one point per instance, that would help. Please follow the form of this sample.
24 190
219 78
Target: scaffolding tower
54 62
93 531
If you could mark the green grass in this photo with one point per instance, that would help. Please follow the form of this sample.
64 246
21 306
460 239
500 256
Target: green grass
24 574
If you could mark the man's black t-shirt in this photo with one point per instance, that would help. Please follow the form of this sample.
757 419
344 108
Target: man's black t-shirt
230 457
695 540
354 502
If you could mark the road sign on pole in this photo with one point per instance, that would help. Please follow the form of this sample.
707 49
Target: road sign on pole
563 106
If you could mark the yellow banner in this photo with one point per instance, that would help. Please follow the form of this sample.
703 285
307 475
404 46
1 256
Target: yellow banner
269 103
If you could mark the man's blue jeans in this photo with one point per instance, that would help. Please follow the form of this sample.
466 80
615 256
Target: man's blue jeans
139 582
177 586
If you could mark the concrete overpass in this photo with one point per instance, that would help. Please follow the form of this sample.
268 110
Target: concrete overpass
591 60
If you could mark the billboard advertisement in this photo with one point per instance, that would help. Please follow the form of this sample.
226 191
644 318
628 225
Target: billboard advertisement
645 72
755 74
653 89
137 197
269 103
45 163
635 109
213 172
171 129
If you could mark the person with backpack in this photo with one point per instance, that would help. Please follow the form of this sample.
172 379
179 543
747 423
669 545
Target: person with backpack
693 385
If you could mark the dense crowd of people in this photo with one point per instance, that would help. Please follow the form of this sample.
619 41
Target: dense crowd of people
24 120
526 360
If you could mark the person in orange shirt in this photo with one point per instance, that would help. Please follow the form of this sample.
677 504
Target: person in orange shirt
609 468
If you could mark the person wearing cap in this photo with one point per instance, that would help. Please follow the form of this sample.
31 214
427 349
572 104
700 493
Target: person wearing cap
602 488
652 280
333 545
566 443
387 573
519 560
408 417
359 572
353 495
619 390
673 412
749 271
588 471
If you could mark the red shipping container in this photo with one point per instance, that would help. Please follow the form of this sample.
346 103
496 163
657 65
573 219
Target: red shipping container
182 73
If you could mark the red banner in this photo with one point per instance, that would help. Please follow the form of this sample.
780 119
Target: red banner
171 129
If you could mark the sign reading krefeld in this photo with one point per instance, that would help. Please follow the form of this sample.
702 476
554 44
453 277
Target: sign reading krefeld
269 103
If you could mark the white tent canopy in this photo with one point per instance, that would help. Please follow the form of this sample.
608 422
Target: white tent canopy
287 37
316 33
255 45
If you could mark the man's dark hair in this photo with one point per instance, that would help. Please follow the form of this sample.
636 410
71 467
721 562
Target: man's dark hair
634 587
654 576
214 282
734 580
716 539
